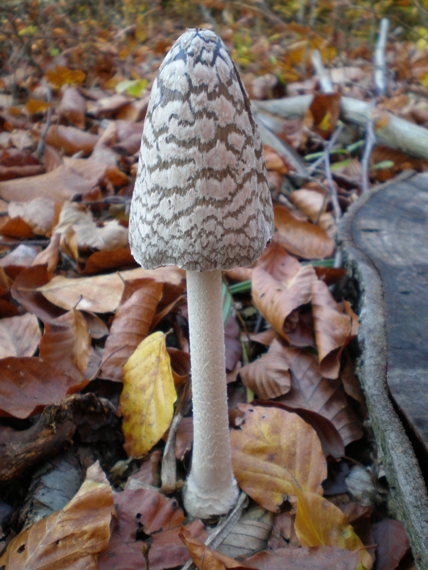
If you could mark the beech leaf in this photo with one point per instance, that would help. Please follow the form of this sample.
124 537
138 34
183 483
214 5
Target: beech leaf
148 396
70 539
19 336
272 452
320 523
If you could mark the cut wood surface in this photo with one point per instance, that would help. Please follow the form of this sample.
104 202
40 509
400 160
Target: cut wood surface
385 238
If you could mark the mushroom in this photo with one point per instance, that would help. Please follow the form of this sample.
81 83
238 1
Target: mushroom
202 202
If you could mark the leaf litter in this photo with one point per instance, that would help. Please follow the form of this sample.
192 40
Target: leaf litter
76 314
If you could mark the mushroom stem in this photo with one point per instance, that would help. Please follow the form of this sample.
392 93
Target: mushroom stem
211 487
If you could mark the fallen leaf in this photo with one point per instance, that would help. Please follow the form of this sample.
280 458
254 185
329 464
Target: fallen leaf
323 113
148 396
130 326
28 384
20 257
272 451
72 538
60 75
320 523
301 238
41 214
137 508
19 336
73 107
335 326
317 558
70 139
311 391
204 557
280 285
392 543
66 344
102 293
313 204
61 185
269 375
168 551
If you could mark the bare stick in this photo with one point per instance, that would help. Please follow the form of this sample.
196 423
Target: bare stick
380 81
325 81
331 185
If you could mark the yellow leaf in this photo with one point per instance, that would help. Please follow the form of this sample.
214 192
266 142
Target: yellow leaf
148 396
36 106
320 523
63 76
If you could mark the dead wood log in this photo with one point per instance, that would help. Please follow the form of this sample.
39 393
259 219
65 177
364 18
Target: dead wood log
398 133
384 237
21 450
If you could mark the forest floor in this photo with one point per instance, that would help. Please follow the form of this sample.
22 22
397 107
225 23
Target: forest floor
85 480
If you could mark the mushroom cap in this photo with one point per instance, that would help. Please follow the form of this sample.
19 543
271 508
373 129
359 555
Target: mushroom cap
201 199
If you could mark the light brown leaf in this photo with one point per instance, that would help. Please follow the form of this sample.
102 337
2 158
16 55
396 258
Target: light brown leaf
269 375
102 293
66 344
335 326
60 75
277 296
301 238
41 214
19 257
131 325
73 107
61 184
273 452
317 558
313 204
19 336
309 390
70 539
70 139
204 557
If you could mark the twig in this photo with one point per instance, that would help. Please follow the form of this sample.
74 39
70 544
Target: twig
325 81
380 81
222 531
370 142
331 185
41 143
15 243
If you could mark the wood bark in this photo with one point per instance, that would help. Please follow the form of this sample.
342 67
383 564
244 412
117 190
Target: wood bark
385 239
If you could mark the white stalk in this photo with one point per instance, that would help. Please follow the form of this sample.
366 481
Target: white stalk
211 487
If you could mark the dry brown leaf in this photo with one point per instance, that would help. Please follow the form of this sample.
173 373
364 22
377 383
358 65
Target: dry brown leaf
66 344
278 296
272 452
70 139
322 114
24 290
27 385
392 543
100 261
60 75
102 293
335 326
60 185
309 390
317 558
19 257
73 107
41 214
204 557
19 336
15 228
269 375
70 539
301 238
131 325
313 204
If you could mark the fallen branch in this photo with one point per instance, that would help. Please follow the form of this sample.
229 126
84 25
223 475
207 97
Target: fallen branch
398 133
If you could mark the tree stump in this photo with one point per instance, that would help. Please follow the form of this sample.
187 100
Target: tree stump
385 239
